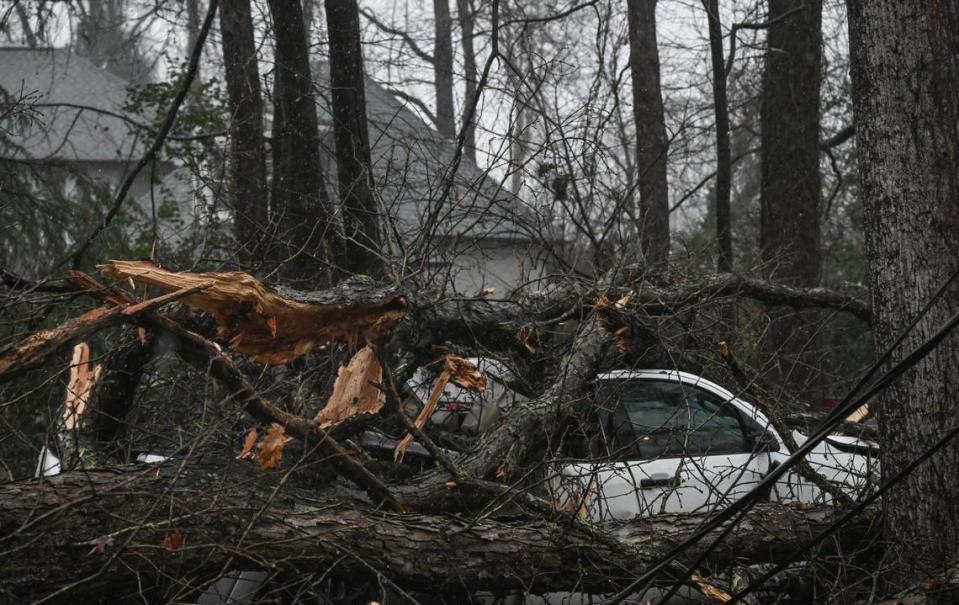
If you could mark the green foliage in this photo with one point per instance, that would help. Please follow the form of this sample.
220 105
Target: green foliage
201 119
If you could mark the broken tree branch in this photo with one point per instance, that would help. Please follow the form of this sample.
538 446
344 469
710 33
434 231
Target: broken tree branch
36 349
231 518
277 325
207 356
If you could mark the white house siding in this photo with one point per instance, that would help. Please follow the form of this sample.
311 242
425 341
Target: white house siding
490 263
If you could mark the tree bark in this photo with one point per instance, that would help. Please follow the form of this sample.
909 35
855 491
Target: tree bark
724 168
352 140
247 160
115 391
652 143
28 34
301 207
789 234
467 15
443 68
193 23
791 184
906 92
81 533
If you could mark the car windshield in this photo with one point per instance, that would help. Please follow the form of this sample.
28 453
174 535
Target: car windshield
653 419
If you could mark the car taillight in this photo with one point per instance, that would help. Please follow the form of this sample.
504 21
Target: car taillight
455 406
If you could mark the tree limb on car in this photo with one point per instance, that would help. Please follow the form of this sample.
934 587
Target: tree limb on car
109 534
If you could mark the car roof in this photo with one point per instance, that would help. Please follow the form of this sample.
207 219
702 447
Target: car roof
691 379
674 375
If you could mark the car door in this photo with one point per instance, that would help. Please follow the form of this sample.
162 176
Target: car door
671 447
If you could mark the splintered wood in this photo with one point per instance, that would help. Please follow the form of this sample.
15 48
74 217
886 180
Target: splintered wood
355 391
83 377
272 327
457 370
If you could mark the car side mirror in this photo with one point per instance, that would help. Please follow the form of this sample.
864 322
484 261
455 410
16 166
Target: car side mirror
765 442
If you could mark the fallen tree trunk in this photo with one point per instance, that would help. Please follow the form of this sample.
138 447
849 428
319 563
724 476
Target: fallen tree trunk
79 533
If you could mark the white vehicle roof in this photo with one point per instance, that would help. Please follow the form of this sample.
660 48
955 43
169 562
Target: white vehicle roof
694 380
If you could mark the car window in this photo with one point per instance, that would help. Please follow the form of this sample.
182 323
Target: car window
658 419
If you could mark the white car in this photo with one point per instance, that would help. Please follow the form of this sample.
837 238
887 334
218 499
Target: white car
462 410
673 442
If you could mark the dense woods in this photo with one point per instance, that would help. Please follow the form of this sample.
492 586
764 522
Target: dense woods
479 302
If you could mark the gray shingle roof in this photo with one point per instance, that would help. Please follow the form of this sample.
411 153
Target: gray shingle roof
59 76
410 160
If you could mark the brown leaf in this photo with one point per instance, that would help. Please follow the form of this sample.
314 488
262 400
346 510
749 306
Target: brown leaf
271 446
355 390
525 335
173 541
502 471
611 319
248 443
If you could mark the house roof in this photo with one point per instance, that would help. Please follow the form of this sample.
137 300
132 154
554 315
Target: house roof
410 161
60 80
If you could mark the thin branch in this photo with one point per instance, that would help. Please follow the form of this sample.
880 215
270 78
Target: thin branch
158 142
419 52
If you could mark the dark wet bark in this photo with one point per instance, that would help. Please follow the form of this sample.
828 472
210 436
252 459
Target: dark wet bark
443 68
466 16
906 91
301 211
361 221
789 235
247 157
652 143
724 234
103 532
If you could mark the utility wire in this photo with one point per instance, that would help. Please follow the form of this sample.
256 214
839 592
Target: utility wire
827 424
838 523
848 405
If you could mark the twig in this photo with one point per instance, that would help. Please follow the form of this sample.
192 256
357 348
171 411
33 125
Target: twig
37 348
785 433
158 141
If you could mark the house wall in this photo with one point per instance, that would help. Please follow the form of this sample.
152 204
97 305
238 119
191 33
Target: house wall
491 263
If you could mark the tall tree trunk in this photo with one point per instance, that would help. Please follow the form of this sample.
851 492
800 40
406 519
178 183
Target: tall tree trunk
28 35
301 207
724 234
651 140
352 140
518 147
443 68
193 33
789 235
906 94
466 16
247 161
789 212
309 13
